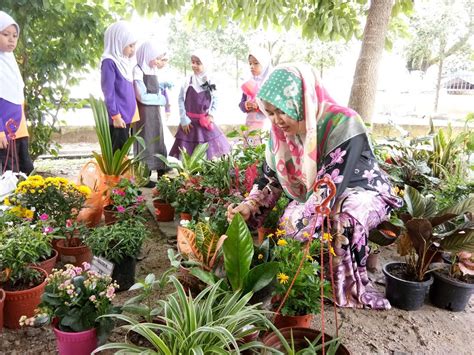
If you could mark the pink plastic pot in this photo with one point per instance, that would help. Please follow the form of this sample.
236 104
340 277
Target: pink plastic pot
78 343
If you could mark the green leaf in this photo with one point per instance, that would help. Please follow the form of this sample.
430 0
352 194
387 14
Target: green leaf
238 252
260 276
415 202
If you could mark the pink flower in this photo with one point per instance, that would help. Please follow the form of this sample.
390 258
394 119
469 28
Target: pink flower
119 192
43 217
68 223
86 266
140 199
110 292
120 209
92 298
47 230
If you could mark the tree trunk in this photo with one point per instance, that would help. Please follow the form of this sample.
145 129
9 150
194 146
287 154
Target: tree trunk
364 86
440 72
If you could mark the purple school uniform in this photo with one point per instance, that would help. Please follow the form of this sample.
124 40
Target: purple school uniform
118 92
9 110
199 103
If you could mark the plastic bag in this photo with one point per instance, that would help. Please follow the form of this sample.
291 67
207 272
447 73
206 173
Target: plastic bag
92 176
8 182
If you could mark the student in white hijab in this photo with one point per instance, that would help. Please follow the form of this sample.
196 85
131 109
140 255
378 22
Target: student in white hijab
117 80
197 107
12 118
149 99
260 67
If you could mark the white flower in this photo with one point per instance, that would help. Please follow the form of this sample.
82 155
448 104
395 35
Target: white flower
184 223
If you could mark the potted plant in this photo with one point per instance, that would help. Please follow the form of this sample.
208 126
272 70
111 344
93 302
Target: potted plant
189 198
113 164
214 321
305 295
270 223
53 198
73 301
240 273
164 194
426 234
125 200
20 246
301 341
119 243
453 283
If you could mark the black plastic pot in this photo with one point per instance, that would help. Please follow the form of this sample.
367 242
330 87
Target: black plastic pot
124 273
403 294
449 293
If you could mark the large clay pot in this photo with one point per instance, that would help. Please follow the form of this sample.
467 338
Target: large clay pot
404 294
22 303
76 254
2 303
48 264
300 337
282 321
76 343
164 212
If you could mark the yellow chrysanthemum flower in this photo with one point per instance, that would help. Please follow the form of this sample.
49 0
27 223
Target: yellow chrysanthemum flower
282 242
282 278
327 237
331 250
260 256
280 232
270 235
306 235
6 202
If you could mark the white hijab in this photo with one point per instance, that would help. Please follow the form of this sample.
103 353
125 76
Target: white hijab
146 53
11 82
205 57
117 36
263 57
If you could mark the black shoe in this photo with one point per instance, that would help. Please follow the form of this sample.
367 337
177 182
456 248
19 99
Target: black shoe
150 184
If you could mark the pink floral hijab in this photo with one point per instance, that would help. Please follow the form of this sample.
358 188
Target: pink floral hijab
296 90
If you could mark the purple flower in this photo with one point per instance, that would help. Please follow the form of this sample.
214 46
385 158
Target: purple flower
44 217
336 156
369 175
335 177
120 209
140 199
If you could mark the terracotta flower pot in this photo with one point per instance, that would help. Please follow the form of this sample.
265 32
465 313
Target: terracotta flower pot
184 216
164 212
300 337
48 264
263 232
76 343
24 302
76 254
110 216
2 303
282 321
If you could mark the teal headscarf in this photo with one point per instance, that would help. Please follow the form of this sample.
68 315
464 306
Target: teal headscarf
284 90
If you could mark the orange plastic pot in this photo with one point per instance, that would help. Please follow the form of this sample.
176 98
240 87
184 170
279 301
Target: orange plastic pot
48 264
75 255
2 303
282 321
22 303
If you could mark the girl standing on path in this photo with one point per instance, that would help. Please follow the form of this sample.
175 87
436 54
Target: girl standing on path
149 99
197 106
117 81
12 101
260 67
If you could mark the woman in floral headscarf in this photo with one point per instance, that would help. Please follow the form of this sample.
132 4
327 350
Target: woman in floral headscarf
312 137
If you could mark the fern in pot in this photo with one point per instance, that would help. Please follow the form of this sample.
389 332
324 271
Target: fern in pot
119 243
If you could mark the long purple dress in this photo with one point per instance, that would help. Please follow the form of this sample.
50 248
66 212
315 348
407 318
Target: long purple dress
198 104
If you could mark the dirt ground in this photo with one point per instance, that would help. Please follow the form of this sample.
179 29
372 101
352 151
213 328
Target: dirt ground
427 331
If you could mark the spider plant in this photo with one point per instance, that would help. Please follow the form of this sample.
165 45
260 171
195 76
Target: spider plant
111 162
211 323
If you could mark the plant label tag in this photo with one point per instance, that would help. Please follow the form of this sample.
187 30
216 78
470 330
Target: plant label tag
102 265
